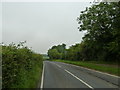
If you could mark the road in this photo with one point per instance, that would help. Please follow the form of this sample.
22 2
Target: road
61 75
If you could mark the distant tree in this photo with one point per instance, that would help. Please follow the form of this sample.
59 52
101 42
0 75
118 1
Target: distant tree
57 52
73 53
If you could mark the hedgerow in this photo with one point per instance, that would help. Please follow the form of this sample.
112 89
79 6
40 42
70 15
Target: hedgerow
18 62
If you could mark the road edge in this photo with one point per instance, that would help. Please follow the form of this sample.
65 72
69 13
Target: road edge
42 79
107 77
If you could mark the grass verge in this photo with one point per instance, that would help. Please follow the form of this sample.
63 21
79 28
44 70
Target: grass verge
95 66
29 79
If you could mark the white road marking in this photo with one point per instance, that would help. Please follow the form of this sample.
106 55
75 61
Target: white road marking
42 76
92 70
101 72
57 65
79 79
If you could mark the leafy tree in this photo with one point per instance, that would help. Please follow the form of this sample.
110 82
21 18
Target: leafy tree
54 54
100 22
73 53
101 42
57 52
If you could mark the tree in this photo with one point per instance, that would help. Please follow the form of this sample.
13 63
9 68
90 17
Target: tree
103 34
54 54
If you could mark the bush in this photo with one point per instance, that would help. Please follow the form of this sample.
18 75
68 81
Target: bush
18 62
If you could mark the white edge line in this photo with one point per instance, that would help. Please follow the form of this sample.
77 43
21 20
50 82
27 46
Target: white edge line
79 79
102 72
92 70
42 76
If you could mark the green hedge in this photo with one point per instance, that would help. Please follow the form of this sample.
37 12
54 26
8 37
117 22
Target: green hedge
21 67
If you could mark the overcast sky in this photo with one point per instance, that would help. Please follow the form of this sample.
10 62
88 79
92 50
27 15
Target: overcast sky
41 24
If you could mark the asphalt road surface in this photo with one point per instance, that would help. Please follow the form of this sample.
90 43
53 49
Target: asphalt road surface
61 75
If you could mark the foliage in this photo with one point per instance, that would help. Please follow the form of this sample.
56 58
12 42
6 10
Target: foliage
102 39
18 63
45 56
73 53
57 52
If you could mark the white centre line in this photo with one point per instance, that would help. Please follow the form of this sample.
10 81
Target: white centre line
91 70
79 79
57 65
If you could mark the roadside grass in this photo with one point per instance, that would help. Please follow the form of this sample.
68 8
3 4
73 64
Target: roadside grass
94 65
29 79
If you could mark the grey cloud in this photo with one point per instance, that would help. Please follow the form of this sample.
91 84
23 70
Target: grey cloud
42 24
